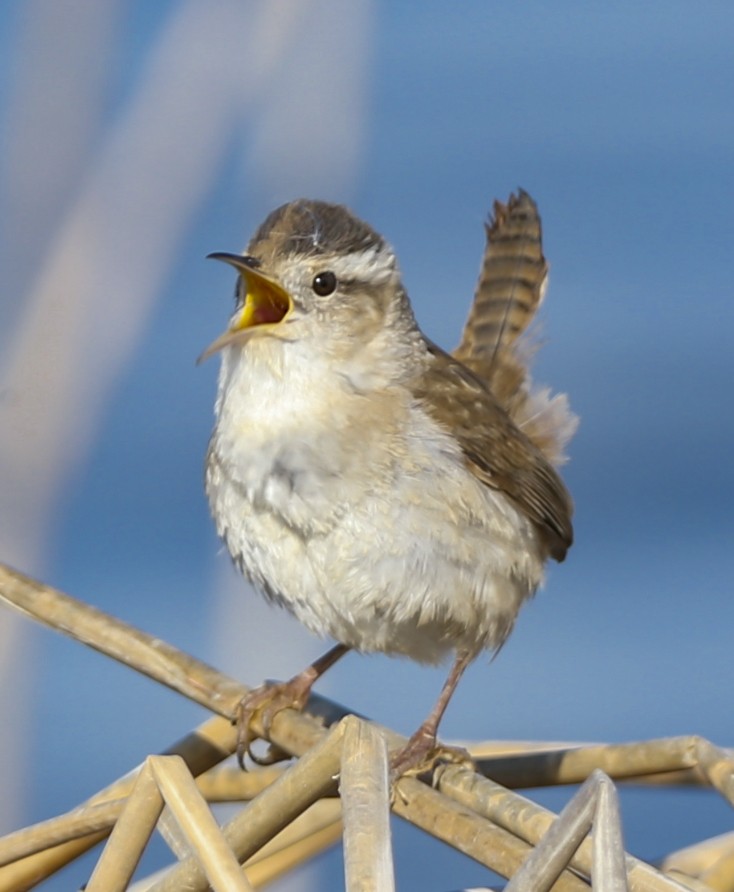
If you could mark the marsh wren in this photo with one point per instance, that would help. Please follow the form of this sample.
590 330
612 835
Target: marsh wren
392 496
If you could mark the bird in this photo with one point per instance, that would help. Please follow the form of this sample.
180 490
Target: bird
394 497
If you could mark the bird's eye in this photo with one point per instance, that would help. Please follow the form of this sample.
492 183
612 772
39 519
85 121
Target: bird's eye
324 283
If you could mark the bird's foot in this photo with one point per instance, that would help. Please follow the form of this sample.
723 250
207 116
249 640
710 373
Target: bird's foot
422 753
263 704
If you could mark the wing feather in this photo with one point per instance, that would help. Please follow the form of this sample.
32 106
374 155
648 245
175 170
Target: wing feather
495 449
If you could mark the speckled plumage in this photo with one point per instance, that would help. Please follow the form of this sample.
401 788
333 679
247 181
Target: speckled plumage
360 476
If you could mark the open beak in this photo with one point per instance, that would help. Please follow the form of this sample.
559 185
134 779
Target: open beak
266 303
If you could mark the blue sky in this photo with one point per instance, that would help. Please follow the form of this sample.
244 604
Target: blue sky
618 120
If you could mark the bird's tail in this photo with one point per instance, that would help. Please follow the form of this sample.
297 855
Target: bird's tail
495 344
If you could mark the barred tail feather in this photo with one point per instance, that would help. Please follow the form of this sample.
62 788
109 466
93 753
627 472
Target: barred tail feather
495 343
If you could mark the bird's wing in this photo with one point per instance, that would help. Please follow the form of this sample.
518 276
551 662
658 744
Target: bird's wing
495 450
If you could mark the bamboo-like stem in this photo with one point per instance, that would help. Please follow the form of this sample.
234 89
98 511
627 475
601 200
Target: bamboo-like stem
83 821
529 822
365 792
206 746
165 779
312 777
28 872
161 662
316 830
595 804
710 861
720 876
716 765
483 840
218 862
502 822
133 829
232 784
571 764
701 856
147 654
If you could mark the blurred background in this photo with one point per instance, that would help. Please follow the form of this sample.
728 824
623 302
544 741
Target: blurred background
136 137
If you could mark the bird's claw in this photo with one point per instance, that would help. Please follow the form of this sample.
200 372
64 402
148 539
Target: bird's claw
423 754
263 704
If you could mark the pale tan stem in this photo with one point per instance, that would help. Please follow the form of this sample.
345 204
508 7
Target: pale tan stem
528 821
307 781
132 831
365 792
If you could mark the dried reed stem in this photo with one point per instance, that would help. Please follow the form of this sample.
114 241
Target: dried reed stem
712 861
316 830
572 764
477 816
147 654
312 777
529 822
206 746
364 787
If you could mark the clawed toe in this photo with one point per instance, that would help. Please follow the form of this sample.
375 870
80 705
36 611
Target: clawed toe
263 704
422 754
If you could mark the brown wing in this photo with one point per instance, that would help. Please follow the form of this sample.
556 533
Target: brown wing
496 451
509 291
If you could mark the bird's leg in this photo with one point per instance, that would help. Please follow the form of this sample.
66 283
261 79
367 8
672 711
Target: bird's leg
421 752
270 698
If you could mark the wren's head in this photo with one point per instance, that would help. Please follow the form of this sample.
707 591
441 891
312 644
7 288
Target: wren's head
314 274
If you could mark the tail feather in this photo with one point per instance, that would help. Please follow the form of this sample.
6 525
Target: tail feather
495 343
510 287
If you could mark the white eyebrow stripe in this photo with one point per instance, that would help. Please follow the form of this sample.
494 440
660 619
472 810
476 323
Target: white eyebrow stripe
373 264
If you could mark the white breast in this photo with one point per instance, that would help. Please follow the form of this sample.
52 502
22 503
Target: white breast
356 512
